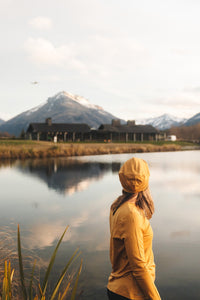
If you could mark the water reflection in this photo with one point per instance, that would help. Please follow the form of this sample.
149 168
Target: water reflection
46 195
179 234
66 175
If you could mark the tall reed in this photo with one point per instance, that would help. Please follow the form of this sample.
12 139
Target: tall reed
29 291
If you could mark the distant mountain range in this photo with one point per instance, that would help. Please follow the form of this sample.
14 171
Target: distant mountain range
62 108
167 121
194 120
68 108
1 121
163 122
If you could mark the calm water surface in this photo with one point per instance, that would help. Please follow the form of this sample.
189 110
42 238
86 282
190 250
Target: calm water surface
44 196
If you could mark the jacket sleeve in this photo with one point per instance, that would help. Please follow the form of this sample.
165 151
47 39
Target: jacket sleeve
133 239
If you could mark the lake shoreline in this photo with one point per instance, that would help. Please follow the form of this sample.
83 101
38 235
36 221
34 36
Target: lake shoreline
37 149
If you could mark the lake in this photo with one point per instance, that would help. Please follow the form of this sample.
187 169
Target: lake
44 196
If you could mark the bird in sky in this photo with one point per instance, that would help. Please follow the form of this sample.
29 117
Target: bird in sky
35 82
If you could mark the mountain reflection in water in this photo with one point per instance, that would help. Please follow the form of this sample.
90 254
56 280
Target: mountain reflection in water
67 176
46 195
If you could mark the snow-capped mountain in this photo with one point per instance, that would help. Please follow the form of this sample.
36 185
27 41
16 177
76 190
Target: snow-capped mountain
64 96
79 99
1 121
62 108
162 122
194 120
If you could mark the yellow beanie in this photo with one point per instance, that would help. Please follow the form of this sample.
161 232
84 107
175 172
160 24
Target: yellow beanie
134 175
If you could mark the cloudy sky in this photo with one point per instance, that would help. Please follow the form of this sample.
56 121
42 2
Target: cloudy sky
136 59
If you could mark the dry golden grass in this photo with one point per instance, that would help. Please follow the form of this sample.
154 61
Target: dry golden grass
23 150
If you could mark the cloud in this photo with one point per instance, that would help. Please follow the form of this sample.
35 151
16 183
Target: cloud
78 221
178 100
44 234
195 89
119 49
98 55
42 51
41 23
111 55
178 103
184 102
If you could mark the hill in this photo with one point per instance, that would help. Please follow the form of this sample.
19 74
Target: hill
62 108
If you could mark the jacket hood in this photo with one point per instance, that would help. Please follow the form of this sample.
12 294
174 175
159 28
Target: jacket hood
134 175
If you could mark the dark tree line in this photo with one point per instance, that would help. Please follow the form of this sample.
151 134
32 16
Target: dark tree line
190 133
5 135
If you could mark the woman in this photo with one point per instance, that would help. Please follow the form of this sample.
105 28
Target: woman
131 255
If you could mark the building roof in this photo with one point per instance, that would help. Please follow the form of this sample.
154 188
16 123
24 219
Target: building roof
128 128
58 127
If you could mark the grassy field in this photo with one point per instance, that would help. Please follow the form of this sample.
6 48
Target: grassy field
22 149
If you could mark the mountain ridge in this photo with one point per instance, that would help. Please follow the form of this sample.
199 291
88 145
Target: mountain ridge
193 120
62 108
163 122
1 121
65 107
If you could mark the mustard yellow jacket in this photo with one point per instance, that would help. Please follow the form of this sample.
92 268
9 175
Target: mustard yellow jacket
131 255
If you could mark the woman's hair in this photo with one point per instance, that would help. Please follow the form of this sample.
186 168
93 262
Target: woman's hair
143 201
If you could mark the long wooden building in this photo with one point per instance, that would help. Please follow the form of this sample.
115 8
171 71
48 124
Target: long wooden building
62 131
126 132
82 132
